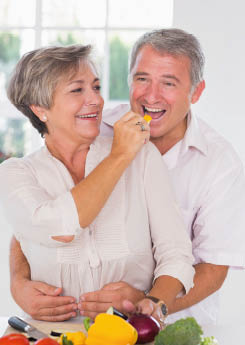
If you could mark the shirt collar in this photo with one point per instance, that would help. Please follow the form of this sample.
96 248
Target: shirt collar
110 116
194 138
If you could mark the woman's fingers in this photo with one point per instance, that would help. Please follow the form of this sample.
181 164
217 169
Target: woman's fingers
132 118
131 132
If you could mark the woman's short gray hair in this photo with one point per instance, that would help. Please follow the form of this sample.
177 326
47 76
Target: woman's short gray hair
174 42
36 75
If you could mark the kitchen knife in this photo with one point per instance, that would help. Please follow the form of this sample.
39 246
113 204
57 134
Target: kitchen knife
118 313
23 326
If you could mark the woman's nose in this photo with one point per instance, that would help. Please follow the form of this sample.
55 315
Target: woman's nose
93 98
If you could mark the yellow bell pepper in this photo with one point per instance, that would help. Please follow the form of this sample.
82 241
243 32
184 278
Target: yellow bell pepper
111 330
77 338
148 118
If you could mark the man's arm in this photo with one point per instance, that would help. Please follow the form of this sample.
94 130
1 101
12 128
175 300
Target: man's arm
41 301
208 279
124 297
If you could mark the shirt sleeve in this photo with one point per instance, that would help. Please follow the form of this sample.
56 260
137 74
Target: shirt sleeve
30 210
171 245
219 227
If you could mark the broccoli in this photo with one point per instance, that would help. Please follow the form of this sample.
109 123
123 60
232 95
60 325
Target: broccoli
209 341
182 332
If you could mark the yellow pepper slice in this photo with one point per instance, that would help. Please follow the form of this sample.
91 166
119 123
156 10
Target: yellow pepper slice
148 118
78 338
111 330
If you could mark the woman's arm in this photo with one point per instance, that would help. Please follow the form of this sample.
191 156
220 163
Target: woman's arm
39 214
91 193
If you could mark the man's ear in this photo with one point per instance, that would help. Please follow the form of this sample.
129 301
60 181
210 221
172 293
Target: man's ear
40 112
197 92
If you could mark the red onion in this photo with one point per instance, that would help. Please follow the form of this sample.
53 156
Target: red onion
146 326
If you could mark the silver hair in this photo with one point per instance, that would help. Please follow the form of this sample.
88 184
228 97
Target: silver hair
36 75
175 42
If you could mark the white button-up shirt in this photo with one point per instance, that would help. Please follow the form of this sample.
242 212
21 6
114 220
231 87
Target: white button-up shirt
209 183
140 223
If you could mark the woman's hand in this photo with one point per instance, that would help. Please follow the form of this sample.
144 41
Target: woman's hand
131 132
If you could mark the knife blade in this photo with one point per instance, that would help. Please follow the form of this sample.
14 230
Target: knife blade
23 326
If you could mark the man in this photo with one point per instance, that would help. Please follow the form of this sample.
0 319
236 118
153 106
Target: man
166 77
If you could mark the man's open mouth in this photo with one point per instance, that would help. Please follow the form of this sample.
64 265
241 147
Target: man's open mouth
155 113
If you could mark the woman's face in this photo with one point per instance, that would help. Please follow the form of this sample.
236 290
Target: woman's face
77 107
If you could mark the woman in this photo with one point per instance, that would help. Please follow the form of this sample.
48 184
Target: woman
88 210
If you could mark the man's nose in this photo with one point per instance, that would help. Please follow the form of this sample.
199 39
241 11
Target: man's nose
153 93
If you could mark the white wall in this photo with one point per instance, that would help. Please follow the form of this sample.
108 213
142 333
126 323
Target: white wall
220 27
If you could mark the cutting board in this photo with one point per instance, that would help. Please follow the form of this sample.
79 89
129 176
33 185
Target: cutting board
47 327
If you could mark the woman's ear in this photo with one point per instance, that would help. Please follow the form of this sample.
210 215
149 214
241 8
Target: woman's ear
197 92
40 112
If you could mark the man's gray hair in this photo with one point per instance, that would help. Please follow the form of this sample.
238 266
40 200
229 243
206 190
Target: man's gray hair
36 75
174 42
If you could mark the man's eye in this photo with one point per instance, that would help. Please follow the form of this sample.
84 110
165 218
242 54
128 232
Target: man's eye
97 87
77 90
169 84
141 79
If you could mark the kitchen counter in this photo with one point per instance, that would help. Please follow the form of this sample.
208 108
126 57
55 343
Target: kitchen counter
226 335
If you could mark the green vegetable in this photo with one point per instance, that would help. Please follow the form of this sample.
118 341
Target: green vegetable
65 341
182 332
86 323
208 341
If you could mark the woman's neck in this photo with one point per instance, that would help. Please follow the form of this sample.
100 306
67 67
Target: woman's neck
72 155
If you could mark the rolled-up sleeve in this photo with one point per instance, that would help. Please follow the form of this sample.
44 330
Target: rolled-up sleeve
219 226
171 244
31 210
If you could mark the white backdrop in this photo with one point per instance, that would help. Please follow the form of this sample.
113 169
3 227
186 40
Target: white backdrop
219 25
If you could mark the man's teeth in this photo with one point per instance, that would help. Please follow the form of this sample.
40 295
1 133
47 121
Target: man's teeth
86 116
153 110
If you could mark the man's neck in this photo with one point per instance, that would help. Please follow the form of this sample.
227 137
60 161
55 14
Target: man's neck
167 141
163 144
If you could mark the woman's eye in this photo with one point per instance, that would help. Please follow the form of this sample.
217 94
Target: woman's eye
77 90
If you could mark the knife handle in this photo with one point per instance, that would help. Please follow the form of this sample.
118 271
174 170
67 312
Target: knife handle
18 324
118 313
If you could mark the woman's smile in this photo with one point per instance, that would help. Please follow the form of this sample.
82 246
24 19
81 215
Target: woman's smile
90 116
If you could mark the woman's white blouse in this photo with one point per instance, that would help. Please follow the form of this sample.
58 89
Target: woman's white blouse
137 236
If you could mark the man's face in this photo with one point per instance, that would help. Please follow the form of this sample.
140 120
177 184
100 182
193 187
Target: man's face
161 87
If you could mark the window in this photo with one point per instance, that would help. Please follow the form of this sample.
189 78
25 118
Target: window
110 25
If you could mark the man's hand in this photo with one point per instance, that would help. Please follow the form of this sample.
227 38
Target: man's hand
42 301
120 295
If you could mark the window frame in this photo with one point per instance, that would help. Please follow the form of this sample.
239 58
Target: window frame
38 28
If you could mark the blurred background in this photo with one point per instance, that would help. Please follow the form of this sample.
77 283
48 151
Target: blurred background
112 26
